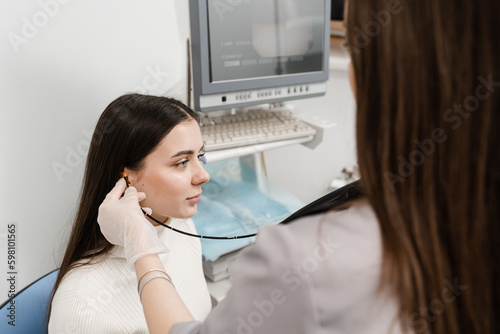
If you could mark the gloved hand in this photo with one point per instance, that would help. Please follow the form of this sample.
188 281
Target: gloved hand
122 223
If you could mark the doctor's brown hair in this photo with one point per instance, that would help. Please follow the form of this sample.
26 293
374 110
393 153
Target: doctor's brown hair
129 129
428 136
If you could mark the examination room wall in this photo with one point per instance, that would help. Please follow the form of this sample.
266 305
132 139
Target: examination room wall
61 63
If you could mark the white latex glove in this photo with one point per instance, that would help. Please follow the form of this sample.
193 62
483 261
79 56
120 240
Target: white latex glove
123 223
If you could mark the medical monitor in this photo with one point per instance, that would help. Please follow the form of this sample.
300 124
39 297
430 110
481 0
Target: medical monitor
250 52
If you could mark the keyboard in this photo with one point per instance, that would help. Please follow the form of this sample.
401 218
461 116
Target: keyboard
251 128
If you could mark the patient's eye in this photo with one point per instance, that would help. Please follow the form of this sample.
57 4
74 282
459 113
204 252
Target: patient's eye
183 163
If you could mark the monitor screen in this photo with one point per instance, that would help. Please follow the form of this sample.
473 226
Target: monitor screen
247 52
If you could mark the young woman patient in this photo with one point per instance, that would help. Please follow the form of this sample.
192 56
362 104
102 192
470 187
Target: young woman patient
156 142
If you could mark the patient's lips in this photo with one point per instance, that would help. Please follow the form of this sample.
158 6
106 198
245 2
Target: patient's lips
194 199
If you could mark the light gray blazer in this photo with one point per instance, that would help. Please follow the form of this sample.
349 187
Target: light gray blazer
318 274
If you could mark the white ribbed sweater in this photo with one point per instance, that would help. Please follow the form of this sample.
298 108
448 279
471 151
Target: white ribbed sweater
102 297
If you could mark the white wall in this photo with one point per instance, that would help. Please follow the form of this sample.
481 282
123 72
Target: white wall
61 63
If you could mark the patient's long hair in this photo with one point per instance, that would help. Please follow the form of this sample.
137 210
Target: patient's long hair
428 138
129 129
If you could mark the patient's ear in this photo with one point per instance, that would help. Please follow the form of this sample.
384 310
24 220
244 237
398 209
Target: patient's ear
130 176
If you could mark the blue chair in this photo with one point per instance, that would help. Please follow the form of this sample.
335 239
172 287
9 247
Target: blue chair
31 307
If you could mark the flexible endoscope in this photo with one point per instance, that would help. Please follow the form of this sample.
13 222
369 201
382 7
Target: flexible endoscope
187 233
337 197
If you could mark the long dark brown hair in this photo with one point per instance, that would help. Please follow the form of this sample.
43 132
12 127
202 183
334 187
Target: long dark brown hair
128 130
428 124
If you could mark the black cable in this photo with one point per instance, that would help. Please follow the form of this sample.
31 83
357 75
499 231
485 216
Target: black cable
345 194
192 234
337 197
200 236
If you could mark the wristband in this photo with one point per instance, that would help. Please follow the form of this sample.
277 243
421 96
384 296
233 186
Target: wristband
156 269
150 278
